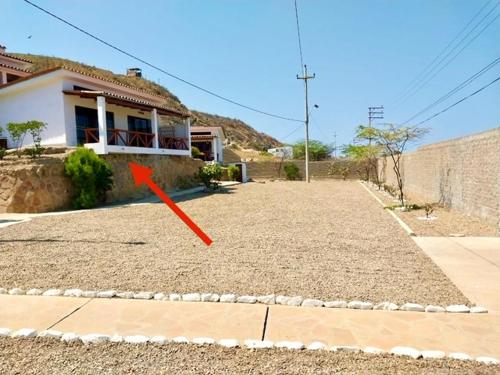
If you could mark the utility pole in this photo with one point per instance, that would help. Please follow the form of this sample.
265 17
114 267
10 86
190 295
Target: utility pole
334 144
374 113
306 78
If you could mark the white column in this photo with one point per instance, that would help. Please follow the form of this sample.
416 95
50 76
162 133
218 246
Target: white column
101 120
188 132
3 77
154 124
214 149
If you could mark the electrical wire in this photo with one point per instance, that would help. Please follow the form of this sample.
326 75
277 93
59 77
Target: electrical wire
160 69
298 37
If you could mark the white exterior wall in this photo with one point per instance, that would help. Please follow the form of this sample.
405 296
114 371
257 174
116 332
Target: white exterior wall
42 101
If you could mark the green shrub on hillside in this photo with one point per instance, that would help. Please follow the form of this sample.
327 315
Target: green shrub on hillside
233 172
90 175
291 171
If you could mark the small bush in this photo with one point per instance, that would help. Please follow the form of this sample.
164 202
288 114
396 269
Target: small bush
291 171
210 174
90 175
195 152
3 152
18 131
429 209
233 172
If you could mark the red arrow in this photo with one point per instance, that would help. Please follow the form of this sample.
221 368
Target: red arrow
142 175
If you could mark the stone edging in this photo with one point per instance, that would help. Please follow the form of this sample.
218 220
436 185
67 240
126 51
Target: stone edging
270 299
96 338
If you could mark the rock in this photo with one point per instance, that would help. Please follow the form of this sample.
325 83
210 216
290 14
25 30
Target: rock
345 348
308 302
295 301
116 338
89 294
488 360
191 297
158 340
372 350
180 340
210 297
460 356
293 345
389 306
70 337
412 307
25 333
228 298
258 344
229 343
406 351
359 305
34 292
246 299
3 291
51 334
434 354
106 294
203 341
144 295
159 296
73 293
316 345
94 338
478 310
434 309
268 300
53 293
174 297
457 309
125 295
5 332
336 304
16 292
136 339
282 300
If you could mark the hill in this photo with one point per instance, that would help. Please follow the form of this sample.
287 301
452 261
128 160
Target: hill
236 130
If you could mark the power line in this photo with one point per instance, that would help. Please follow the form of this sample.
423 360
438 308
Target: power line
292 132
455 90
299 39
160 69
460 101
420 83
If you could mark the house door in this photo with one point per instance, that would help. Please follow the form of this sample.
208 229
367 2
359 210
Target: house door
86 118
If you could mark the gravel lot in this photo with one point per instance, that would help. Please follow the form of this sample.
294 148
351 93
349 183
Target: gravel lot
449 222
45 356
328 240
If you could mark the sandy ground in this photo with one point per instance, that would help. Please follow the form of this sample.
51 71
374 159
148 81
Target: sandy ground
328 240
45 356
449 222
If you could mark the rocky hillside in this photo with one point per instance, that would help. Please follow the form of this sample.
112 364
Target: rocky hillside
237 131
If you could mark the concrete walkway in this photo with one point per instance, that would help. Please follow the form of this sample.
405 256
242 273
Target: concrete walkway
475 334
471 263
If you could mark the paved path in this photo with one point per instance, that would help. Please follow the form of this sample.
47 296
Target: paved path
472 263
475 334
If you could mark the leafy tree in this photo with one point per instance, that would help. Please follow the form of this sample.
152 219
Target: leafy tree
210 174
394 139
317 150
366 155
18 130
195 152
291 171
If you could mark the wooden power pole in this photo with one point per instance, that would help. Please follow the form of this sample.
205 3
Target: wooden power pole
305 77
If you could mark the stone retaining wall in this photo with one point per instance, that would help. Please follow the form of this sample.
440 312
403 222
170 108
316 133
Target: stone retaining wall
39 185
317 169
462 173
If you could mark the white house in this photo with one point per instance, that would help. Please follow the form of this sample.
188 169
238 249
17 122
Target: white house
281 152
83 109
210 141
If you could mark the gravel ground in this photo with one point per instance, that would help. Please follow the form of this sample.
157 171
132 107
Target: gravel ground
45 356
449 222
328 240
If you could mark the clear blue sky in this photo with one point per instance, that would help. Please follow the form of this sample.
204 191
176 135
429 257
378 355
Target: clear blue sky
364 53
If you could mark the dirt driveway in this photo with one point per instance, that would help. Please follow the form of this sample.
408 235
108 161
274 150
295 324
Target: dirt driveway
327 240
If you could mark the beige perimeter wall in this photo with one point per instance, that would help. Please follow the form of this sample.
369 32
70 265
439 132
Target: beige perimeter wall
39 185
462 173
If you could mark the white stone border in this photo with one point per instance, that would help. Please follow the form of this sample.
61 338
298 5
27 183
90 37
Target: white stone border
96 338
270 299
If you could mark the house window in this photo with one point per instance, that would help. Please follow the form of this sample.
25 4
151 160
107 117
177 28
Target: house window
87 118
137 124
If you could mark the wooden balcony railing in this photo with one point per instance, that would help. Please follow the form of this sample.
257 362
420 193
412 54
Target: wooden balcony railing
121 137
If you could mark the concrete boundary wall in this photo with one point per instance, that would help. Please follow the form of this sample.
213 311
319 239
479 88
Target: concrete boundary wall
462 173
317 169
